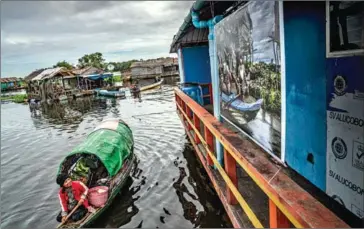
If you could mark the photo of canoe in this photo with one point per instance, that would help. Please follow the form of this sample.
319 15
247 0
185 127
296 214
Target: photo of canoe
238 104
103 163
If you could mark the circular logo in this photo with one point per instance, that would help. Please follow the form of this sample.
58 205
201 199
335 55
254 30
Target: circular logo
340 85
339 148
338 199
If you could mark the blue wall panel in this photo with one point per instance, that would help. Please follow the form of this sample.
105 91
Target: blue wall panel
304 29
196 64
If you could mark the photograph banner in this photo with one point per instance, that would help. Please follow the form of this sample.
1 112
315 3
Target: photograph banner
248 52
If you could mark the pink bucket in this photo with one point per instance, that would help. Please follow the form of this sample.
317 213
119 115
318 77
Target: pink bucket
97 196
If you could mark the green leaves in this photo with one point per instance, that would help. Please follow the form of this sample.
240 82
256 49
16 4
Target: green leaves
64 64
92 60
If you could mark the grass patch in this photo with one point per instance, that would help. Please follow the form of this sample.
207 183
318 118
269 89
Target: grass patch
15 98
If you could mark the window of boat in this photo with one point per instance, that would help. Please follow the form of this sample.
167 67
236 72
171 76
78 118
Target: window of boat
344 28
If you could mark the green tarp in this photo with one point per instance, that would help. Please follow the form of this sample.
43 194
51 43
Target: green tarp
110 146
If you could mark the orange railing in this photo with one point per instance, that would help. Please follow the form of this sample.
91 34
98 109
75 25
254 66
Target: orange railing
288 203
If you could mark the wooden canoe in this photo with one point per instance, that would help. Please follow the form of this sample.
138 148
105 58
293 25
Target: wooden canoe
121 135
151 86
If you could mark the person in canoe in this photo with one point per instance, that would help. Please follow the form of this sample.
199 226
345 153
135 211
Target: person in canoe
72 193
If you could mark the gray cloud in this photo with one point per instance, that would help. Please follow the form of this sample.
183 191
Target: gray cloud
38 34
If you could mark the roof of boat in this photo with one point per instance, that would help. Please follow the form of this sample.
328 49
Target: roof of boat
112 142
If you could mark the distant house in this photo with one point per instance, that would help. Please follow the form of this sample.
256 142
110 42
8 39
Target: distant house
47 83
89 77
146 69
146 72
11 83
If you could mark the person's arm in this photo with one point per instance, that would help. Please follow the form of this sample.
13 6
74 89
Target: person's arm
83 189
63 203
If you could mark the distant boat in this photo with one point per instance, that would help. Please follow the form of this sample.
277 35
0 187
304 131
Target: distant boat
115 94
151 86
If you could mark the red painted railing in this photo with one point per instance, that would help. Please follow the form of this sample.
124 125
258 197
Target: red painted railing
288 203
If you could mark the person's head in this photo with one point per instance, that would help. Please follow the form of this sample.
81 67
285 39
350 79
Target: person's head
64 181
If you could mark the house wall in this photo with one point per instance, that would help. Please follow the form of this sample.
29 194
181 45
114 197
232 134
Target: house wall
70 83
305 55
145 71
196 64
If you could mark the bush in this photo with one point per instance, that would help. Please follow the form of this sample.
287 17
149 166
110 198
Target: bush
15 98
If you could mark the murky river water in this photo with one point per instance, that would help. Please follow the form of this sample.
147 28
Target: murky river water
169 188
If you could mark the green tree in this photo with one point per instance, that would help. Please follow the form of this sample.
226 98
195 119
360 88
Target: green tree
94 60
64 64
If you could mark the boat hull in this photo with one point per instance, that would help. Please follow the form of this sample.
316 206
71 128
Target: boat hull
115 94
148 87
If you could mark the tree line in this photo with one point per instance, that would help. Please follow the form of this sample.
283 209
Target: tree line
95 60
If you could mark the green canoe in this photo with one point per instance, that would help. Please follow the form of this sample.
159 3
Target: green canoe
109 152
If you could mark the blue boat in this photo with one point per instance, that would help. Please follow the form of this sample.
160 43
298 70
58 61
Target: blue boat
115 94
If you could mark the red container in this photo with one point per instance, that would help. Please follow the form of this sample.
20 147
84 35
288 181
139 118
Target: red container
96 198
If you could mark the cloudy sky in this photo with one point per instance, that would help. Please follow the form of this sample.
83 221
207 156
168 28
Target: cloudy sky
39 34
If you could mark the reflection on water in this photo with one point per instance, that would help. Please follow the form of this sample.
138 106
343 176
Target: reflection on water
168 188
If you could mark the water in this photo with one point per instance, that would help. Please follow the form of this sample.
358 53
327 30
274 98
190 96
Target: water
168 189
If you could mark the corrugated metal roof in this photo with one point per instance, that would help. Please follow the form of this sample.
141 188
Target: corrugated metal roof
46 74
87 71
33 74
51 72
155 62
9 79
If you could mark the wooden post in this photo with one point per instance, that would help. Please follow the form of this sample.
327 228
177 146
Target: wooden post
189 116
183 106
276 218
177 101
63 83
211 97
197 124
230 168
210 142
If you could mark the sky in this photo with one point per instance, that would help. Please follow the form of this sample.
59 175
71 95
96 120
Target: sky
38 34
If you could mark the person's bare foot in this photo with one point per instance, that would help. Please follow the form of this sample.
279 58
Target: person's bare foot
91 209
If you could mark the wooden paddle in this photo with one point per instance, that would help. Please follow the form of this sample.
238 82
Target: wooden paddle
69 215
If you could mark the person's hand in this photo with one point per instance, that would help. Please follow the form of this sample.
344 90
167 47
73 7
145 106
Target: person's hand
81 201
64 219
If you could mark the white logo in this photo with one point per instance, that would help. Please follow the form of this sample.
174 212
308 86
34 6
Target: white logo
340 85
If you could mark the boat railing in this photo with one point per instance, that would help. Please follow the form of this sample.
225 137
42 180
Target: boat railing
288 203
